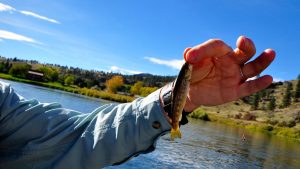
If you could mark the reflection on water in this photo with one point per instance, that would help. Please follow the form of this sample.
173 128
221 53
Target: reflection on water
204 144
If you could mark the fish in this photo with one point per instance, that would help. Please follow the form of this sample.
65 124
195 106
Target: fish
179 96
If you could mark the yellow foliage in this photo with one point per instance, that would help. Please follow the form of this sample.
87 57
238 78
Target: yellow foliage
135 89
114 83
145 91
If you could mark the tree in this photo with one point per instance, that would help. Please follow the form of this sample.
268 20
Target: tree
145 91
114 83
297 91
69 80
272 104
19 70
89 83
50 74
135 89
255 101
287 96
2 67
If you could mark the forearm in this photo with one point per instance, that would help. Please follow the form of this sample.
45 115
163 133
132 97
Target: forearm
50 136
117 133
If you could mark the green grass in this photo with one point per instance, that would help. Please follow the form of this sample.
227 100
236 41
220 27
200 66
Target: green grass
82 91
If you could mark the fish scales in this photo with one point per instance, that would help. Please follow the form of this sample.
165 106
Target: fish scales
179 97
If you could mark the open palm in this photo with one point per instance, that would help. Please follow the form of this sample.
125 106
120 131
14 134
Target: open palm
220 73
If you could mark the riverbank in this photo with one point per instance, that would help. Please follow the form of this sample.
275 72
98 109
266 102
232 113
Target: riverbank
251 125
83 91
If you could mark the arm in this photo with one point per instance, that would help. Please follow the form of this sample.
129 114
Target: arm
46 135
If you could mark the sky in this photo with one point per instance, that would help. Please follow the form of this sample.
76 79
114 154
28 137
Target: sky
146 36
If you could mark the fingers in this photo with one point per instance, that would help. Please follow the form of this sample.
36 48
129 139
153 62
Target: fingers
210 48
256 66
253 86
244 51
185 53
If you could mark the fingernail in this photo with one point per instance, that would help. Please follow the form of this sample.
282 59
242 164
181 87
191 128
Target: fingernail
245 41
271 54
242 41
190 58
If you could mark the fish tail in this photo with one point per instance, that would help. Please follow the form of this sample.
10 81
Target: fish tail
175 133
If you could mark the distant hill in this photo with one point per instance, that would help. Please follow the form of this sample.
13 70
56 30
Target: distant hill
143 74
244 108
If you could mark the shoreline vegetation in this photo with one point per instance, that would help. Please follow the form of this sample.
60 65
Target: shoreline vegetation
275 110
105 85
76 90
250 125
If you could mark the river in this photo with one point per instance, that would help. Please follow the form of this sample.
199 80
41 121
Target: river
204 144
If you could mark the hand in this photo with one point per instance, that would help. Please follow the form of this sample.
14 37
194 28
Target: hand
220 73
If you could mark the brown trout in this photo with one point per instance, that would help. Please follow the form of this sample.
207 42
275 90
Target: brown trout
180 92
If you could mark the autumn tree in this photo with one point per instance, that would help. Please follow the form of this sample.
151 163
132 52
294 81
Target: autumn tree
135 89
114 83
145 91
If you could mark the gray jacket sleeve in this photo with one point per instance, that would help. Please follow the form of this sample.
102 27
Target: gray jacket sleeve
39 135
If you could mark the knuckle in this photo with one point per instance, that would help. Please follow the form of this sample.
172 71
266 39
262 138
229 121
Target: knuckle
216 42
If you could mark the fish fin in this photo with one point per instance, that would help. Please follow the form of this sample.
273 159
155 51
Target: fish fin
175 133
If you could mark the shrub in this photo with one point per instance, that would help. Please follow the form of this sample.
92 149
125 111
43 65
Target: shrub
200 114
297 118
238 116
248 116
282 124
291 123
268 128
272 121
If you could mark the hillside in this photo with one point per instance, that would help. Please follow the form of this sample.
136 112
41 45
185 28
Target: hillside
243 112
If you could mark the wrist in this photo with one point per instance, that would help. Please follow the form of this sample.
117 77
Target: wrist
189 106
165 98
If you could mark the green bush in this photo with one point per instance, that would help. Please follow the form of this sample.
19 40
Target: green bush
268 128
291 123
297 118
200 114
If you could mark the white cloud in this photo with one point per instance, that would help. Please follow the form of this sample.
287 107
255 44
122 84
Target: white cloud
275 79
13 36
176 64
117 69
39 16
4 7
7 8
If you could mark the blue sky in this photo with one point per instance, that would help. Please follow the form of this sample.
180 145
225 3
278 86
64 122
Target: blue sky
146 36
